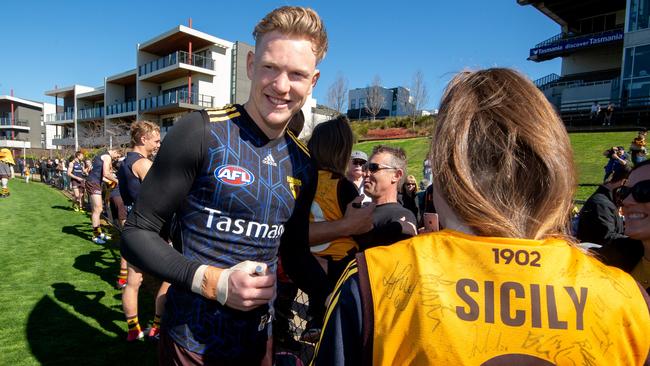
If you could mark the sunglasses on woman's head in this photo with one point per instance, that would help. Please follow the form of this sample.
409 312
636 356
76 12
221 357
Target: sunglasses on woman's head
640 192
374 167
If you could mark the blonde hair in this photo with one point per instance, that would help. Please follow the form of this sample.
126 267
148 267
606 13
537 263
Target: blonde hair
501 156
295 21
142 129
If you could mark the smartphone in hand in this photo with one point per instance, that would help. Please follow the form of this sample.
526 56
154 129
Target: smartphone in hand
431 222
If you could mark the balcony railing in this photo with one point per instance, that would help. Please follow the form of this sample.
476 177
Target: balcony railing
9 138
121 108
64 136
545 81
88 113
6 121
173 59
55 117
176 97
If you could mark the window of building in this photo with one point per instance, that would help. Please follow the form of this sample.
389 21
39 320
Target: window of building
636 75
639 15
597 24
353 104
362 103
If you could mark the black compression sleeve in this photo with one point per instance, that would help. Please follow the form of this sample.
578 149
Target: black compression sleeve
163 190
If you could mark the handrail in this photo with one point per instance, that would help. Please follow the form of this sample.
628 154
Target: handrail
619 103
121 108
6 121
541 82
9 138
95 112
63 116
175 58
579 83
60 137
175 97
553 39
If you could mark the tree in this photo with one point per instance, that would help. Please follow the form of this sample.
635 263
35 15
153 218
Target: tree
117 132
419 94
91 133
374 97
338 93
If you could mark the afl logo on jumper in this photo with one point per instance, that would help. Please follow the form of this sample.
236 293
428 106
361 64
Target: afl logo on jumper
234 175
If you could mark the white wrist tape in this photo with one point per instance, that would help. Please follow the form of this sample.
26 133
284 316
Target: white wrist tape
197 280
248 267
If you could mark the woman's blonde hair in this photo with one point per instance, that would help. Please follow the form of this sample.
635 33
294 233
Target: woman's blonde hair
295 21
501 156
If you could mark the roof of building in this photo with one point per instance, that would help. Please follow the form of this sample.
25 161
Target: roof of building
22 101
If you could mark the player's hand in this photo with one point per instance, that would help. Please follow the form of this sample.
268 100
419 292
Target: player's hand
247 289
358 216
244 286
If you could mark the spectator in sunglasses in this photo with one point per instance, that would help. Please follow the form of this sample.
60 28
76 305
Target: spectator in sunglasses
383 177
633 254
354 172
503 284
599 221
408 194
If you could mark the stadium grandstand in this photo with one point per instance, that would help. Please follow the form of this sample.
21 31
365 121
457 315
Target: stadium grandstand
605 51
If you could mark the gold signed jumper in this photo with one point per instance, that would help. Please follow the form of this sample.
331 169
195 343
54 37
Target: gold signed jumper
452 299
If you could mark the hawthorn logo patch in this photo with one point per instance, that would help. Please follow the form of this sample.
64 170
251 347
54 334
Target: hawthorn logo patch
294 186
234 175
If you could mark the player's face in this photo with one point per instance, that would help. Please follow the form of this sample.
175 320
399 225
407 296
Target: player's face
283 74
152 142
637 214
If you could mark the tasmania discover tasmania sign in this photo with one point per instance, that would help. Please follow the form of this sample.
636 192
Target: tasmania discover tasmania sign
563 46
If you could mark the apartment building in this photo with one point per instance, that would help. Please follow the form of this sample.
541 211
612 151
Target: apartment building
21 124
176 72
179 71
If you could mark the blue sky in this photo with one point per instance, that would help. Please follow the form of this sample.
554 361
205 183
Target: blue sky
47 43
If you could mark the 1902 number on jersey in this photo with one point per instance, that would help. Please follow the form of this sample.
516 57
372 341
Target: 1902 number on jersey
520 257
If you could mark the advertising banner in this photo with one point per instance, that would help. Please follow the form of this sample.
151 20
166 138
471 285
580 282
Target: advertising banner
575 43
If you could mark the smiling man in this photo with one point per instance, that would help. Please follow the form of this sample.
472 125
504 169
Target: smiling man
239 188
383 175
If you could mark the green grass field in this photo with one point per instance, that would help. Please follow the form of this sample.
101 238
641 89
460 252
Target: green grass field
58 305
57 300
588 154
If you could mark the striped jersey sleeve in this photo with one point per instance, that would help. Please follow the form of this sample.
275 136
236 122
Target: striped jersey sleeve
341 338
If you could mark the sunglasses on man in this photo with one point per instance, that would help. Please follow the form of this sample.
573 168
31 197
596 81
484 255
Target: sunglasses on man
358 162
375 167
640 192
